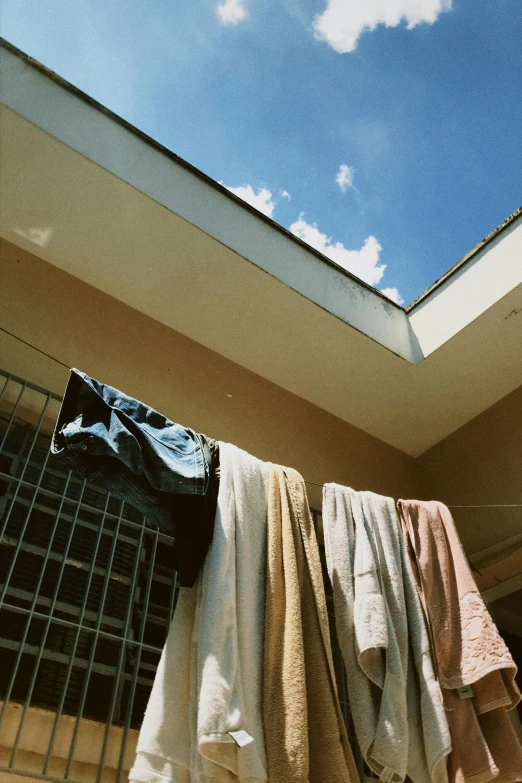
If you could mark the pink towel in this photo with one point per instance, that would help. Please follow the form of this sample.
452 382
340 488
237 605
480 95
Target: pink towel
468 649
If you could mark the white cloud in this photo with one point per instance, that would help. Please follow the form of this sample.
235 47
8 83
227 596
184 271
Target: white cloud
363 263
285 194
231 11
344 177
393 294
344 21
262 200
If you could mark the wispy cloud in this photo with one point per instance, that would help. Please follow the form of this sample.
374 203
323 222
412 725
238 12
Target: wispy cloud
262 200
393 294
285 194
344 177
363 263
231 11
344 21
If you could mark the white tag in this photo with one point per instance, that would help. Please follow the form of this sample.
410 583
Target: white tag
241 737
466 692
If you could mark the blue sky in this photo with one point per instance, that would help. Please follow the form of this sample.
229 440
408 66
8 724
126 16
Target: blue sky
387 133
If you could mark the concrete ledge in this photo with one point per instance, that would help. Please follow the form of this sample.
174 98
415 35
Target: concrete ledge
35 738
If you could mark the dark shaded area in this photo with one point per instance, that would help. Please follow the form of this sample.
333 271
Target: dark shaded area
122 595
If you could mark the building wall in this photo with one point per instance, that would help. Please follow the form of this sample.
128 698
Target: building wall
33 744
480 464
187 382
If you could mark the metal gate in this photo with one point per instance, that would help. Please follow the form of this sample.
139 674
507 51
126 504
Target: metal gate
87 591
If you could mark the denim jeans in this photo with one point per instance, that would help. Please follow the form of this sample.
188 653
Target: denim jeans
161 468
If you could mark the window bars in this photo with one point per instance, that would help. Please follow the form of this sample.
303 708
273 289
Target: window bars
87 591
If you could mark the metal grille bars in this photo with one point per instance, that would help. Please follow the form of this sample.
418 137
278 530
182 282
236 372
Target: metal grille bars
87 591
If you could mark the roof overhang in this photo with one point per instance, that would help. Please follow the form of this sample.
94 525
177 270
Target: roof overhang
88 193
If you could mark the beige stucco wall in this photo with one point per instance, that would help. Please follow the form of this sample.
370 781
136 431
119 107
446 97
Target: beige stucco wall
184 380
480 464
187 382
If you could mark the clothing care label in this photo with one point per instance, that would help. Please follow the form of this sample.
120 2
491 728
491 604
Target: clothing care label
241 737
466 692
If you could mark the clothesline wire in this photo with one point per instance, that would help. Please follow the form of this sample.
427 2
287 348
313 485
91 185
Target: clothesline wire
470 505
490 505
2 329
313 483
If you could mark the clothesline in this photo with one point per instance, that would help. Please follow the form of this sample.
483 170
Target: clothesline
285 722
58 361
313 483
469 505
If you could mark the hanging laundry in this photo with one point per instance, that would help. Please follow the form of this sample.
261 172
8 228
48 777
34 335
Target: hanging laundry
207 694
305 736
168 472
476 670
395 700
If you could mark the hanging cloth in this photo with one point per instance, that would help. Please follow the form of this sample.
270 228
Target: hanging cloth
468 648
209 680
306 740
168 472
395 700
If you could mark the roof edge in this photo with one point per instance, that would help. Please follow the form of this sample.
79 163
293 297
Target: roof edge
172 156
496 231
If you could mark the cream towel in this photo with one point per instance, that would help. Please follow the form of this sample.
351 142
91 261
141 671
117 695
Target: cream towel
209 681
306 740
395 700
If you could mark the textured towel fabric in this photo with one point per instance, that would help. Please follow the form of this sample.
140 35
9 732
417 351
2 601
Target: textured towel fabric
468 648
306 740
395 700
209 681
432 745
496 689
485 746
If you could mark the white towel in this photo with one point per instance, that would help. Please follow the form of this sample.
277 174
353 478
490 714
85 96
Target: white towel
209 681
379 619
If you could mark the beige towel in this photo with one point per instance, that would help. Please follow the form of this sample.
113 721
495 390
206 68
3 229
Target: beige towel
468 648
305 737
